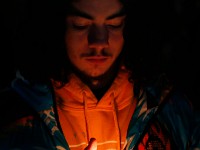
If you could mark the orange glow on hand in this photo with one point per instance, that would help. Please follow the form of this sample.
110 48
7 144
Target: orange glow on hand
92 144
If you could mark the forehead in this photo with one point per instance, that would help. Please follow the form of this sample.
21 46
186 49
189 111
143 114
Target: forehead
97 8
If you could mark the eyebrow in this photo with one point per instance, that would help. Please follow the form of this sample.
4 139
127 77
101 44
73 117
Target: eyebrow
75 12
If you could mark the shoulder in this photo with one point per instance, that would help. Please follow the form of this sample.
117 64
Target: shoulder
175 108
176 112
163 91
21 124
12 106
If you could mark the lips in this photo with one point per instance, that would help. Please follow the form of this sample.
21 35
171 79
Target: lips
96 59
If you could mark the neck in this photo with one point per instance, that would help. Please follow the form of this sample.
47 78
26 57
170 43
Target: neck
101 84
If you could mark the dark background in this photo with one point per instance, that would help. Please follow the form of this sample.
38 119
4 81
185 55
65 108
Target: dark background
173 23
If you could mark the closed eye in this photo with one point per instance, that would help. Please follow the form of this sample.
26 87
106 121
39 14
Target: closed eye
80 27
115 26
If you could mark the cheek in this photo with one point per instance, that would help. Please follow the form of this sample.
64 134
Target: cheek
116 37
71 45
70 40
74 40
117 42
70 48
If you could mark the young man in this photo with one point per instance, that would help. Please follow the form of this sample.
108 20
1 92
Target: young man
95 101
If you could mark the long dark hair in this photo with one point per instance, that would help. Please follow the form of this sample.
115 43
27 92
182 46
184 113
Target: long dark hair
41 40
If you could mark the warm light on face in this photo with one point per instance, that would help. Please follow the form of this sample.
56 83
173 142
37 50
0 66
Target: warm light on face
94 36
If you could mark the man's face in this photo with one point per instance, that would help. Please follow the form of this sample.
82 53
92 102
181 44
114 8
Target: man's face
94 35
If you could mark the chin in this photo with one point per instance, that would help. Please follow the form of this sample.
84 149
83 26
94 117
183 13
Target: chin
95 76
98 75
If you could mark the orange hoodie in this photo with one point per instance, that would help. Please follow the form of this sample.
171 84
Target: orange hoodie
83 117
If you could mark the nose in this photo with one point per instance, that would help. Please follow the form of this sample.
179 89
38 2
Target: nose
98 37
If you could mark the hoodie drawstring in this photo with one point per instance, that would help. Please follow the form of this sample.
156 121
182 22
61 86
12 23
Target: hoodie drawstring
116 121
86 117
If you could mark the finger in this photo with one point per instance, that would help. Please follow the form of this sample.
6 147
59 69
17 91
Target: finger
92 144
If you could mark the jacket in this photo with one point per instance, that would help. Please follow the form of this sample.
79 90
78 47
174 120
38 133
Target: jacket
29 120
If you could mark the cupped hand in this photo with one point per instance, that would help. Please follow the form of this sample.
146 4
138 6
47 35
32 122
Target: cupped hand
92 144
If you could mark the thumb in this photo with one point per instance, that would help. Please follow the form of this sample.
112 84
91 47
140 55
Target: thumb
92 144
